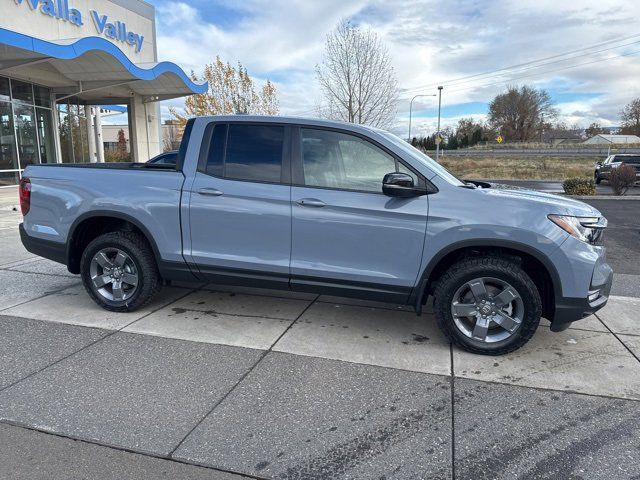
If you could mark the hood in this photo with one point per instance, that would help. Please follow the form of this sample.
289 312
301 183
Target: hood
557 204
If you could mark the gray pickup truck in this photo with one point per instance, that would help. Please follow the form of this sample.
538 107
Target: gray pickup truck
325 207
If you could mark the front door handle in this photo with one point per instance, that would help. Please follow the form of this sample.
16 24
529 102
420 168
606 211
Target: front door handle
213 192
310 202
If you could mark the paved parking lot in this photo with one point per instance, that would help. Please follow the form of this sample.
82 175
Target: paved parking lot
215 382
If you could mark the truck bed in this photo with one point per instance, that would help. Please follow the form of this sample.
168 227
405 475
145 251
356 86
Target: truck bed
147 195
113 166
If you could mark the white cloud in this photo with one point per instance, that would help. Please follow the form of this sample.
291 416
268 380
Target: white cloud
430 42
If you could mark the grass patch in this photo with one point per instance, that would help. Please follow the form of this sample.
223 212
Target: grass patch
520 168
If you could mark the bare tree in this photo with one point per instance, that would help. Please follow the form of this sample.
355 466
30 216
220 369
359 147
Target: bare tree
520 113
357 78
594 129
631 118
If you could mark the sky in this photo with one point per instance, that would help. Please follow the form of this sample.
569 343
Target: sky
430 43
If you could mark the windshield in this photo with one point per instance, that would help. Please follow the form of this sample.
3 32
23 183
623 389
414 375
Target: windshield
426 159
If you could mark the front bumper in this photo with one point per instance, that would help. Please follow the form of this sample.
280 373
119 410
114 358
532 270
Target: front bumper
569 310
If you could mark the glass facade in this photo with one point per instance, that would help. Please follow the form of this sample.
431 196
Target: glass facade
74 143
26 128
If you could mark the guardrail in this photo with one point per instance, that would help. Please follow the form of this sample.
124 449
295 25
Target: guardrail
539 151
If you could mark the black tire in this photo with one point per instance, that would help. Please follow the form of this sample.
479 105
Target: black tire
597 179
488 266
139 251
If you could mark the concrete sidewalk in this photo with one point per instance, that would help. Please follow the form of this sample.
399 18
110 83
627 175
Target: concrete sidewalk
9 199
215 382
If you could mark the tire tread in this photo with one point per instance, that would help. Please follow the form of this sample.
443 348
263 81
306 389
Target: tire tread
150 277
482 264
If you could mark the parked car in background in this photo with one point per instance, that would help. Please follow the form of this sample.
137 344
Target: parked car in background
165 158
603 169
324 207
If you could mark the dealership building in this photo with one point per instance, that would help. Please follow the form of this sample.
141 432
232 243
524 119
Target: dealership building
62 63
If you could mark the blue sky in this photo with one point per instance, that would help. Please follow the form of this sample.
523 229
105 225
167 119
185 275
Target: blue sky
430 42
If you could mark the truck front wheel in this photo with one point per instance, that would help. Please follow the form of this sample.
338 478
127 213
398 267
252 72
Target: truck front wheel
487 305
119 271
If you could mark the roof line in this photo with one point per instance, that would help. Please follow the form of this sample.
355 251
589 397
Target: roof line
88 44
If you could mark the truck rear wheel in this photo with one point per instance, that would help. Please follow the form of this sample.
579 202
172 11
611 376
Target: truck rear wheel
119 271
487 305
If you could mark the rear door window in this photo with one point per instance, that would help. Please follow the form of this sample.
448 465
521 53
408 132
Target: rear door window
254 153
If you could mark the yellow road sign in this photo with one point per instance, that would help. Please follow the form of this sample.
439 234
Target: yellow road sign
499 139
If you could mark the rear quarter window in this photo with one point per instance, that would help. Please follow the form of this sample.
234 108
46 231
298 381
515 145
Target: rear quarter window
254 153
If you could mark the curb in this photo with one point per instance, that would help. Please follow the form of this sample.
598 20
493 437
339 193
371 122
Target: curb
604 197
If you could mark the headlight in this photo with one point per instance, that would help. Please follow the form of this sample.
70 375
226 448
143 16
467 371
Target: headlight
587 229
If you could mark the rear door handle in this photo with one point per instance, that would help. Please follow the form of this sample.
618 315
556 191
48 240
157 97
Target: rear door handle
210 191
310 202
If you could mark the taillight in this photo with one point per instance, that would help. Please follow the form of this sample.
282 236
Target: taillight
24 190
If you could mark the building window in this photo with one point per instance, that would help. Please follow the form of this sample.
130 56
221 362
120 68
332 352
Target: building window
22 91
45 135
26 134
74 143
5 93
8 155
26 131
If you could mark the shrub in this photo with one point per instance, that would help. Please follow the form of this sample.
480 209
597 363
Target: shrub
579 186
622 178
111 156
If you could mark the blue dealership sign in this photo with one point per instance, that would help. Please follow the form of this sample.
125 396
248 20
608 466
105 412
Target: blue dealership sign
60 9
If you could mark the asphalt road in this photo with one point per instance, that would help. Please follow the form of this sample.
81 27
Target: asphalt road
622 238
545 152
556 187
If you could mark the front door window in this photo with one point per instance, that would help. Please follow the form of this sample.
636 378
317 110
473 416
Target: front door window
346 162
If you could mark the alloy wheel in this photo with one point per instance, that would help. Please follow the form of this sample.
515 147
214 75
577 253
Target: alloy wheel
487 309
114 274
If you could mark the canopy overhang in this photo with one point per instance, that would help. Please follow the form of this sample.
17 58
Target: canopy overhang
91 69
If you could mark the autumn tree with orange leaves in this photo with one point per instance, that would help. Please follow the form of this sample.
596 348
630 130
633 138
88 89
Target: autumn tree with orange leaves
231 90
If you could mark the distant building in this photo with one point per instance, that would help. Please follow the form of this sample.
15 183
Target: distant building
110 136
555 142
170 131
612 140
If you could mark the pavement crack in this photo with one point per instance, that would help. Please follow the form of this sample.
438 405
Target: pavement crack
453 417
124 449
241 379
618 338
108 335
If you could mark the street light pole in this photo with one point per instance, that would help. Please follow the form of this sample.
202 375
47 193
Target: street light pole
411 108
438 132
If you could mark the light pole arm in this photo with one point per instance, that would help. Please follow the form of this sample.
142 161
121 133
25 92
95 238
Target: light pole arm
411 109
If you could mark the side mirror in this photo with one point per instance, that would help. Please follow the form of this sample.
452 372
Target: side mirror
400 185
599 163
